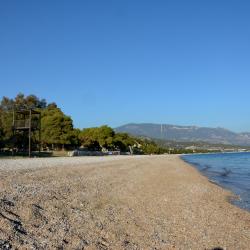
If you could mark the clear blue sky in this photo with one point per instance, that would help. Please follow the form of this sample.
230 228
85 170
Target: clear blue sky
114 62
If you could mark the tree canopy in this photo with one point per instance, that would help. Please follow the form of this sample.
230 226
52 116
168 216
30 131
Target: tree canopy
58 132
56 127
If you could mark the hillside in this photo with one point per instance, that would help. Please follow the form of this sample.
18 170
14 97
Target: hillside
186 133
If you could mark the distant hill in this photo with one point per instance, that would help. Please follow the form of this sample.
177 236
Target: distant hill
186 133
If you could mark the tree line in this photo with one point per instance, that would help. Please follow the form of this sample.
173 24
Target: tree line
58 132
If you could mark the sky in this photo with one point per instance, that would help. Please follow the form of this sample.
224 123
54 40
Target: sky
121 61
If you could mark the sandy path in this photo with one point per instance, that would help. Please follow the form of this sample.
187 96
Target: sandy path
147 202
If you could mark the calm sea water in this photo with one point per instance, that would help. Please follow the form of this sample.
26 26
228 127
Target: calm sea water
231 171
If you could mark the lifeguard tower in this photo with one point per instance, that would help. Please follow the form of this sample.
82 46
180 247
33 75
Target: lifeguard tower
27 121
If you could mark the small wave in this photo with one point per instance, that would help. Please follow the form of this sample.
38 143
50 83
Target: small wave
231 171
226 172
206 167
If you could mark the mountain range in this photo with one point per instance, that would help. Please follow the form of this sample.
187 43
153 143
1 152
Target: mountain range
186 133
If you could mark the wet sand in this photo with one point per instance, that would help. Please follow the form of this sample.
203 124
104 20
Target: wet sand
123 202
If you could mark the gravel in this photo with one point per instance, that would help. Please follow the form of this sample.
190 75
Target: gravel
36 163
115 202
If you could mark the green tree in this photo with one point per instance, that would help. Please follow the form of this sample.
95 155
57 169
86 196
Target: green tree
123 141
7 105
1 135
28 102
105 137
56 128
96 138
88 138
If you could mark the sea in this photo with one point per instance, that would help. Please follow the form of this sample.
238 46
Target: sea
229 170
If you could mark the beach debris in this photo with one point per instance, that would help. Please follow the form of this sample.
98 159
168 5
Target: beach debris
5 245
16 224
6 202
103 244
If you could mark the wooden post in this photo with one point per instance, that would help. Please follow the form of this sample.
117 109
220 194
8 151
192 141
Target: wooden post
13 132
40 135
30 133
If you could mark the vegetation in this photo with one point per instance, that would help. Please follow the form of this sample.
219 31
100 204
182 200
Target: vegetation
57 128
58 132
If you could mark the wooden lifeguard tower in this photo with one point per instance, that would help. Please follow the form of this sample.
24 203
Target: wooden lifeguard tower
27 121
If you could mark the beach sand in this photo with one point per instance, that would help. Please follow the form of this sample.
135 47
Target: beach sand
122 202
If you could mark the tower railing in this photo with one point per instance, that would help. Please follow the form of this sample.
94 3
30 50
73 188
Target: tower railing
25 124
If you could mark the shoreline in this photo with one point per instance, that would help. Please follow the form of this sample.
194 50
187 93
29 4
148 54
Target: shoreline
141 202
211 153
232 198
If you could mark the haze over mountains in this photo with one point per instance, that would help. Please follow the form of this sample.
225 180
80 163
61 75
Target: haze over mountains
186 133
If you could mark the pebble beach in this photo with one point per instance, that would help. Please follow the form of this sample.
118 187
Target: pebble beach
115 202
